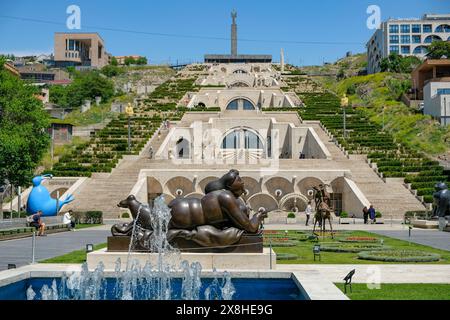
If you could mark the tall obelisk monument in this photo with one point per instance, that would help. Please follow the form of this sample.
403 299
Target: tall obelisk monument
234 34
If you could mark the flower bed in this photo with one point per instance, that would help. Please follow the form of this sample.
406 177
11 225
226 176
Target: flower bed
399 256
359 239
351 247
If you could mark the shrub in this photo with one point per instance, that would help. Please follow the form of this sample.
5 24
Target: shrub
378 214
286 256
89 217
399 256
125 215
291 215
417 214
344 214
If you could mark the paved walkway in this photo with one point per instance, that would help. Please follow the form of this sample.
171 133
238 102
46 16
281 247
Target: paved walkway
433 238
19 251
378 273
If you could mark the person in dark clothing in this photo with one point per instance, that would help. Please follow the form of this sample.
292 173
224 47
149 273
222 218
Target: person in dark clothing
38 224
372 214
366 215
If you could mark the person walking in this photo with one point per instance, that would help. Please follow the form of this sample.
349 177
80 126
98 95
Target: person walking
150 152
372 214
308 212
366 215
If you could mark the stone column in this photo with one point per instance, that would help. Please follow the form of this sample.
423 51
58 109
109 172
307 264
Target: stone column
234 34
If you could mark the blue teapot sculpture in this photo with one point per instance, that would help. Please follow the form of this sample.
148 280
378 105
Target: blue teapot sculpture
40 199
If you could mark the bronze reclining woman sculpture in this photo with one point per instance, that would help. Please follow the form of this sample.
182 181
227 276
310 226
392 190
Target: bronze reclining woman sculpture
218 219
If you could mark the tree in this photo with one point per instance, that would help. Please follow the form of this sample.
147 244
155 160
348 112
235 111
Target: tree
114 61
111 71
23 129
438 49
399 64
85 85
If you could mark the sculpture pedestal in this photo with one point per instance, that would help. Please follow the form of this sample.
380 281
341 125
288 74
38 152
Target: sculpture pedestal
265 260
248 243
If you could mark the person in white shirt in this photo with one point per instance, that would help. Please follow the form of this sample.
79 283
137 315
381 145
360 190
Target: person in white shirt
67 219
308 212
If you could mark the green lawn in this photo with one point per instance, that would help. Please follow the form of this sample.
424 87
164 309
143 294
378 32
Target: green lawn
303 250
391 291
78 256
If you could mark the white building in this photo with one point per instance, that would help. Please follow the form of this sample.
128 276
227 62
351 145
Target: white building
406 37
437 101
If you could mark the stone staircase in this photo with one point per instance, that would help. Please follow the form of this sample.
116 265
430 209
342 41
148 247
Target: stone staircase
104 191
390 197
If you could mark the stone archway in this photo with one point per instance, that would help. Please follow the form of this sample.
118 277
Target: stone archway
306 186
263 200
278 187
154 188
294 202
252 186
179 187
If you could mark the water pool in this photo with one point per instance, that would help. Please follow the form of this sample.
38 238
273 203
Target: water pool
246 289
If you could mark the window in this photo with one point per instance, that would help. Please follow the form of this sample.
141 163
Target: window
416 28
443 91
406 39
240 103
248 105
405 28
71 45
420 50
427 28
406 50
393 39
231 141
432 38
233 105
393 49
251 140
443 28
416 39
393 28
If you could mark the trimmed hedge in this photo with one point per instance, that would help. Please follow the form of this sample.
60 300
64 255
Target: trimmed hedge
399 256
287 256
88 217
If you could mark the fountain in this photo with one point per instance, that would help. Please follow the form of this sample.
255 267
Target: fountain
160 255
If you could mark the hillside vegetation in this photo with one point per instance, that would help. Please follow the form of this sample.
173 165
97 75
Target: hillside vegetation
378 96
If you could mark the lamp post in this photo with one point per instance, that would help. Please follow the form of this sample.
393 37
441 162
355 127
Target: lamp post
344 105
129 111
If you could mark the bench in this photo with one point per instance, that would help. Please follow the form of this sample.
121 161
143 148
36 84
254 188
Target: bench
23 232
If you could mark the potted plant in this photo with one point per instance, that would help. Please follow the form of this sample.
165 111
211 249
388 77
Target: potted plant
344 218
379 218
291 218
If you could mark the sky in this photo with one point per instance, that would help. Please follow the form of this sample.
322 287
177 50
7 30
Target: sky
310 31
